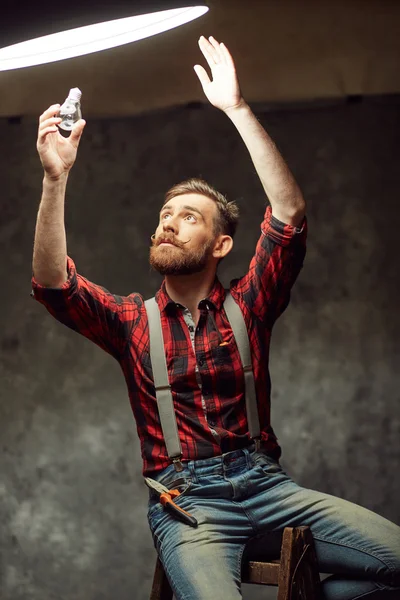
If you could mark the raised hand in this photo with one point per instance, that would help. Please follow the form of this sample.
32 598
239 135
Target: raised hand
57 153
223 91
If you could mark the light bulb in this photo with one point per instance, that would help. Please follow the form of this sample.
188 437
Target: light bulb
70 110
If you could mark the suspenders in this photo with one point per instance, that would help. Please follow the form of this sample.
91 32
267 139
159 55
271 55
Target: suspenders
163 387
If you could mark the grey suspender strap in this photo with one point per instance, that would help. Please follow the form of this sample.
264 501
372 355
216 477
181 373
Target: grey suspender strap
163 389
235 318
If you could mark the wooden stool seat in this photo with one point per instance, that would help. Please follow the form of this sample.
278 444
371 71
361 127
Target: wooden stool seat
295 574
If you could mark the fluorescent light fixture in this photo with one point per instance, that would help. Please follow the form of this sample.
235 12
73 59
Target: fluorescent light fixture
95 37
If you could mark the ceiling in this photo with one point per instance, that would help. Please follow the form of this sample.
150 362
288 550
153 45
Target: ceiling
285 51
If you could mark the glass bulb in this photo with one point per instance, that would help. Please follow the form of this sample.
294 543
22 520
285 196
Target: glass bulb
70 110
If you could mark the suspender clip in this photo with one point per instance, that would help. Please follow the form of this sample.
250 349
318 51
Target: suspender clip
177 463
257 444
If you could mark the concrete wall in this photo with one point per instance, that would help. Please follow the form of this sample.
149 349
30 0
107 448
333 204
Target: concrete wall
73 504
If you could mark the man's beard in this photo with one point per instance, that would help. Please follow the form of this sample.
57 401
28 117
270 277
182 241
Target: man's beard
178 260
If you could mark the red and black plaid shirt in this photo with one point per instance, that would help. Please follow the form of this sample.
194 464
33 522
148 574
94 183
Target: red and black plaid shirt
211 417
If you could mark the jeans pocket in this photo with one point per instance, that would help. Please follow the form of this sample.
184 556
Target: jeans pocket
269 465
182 484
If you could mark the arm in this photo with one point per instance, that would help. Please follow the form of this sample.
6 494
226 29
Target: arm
278 259
224 93
50 245
57 155
266 287
89 309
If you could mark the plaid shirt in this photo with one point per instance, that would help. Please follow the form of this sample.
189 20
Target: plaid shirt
206 377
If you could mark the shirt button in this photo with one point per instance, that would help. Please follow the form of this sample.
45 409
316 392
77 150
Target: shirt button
212 423
201 362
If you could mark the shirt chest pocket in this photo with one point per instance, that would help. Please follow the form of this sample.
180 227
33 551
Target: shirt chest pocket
226 354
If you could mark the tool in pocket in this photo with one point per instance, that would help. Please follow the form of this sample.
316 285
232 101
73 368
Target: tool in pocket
166 499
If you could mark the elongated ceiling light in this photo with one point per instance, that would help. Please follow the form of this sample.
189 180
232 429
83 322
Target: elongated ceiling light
76 28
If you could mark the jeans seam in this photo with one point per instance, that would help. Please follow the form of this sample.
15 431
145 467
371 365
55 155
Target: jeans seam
368 593
252 523
239 563
158 544
389 564
170 579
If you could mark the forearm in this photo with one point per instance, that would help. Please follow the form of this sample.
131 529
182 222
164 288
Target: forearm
50 246
278 182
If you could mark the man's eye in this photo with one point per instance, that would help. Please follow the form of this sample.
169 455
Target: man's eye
193 217
165 215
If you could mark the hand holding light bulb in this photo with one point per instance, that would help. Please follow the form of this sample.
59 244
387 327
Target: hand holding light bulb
57 153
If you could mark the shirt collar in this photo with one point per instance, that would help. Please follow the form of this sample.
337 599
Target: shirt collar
215 298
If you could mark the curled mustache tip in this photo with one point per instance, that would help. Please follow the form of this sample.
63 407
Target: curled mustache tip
153 237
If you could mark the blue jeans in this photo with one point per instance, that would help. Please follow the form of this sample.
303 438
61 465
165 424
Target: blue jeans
242 500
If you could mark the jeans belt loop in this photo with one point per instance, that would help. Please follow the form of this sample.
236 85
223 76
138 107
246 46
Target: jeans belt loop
257 444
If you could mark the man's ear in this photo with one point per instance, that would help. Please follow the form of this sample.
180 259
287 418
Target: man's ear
223 245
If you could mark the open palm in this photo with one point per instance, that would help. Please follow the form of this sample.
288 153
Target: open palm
223 91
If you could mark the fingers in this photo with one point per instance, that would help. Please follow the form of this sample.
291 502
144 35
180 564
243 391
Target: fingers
76 132
214 52
227 56
50 112
218 56
48 122
209 52
46 127
45 132
202 75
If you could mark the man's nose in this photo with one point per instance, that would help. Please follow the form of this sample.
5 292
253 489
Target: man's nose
170 225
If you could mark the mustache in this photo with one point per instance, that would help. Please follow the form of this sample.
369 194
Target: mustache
171 239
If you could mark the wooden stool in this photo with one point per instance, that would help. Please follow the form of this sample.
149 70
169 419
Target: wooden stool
296 573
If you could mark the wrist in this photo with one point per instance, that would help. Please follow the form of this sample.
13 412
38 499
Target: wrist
55 180
241 106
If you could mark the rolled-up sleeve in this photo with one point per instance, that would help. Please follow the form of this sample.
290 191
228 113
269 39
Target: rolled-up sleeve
274 268
89 309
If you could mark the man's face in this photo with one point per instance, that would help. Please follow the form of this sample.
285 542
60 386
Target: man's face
184 238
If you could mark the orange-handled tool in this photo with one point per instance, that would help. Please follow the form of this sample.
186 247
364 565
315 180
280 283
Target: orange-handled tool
166 499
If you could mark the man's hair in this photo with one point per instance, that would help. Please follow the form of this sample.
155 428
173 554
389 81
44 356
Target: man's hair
228 212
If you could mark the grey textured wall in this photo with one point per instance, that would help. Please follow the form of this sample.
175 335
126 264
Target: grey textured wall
73 505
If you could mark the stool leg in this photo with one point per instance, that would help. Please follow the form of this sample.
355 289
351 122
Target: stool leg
286 565
298 575
310 584
161 589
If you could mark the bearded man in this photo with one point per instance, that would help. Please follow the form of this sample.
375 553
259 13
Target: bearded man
232 485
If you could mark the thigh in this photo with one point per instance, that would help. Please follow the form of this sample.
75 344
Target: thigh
204 572
350 540
202 563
